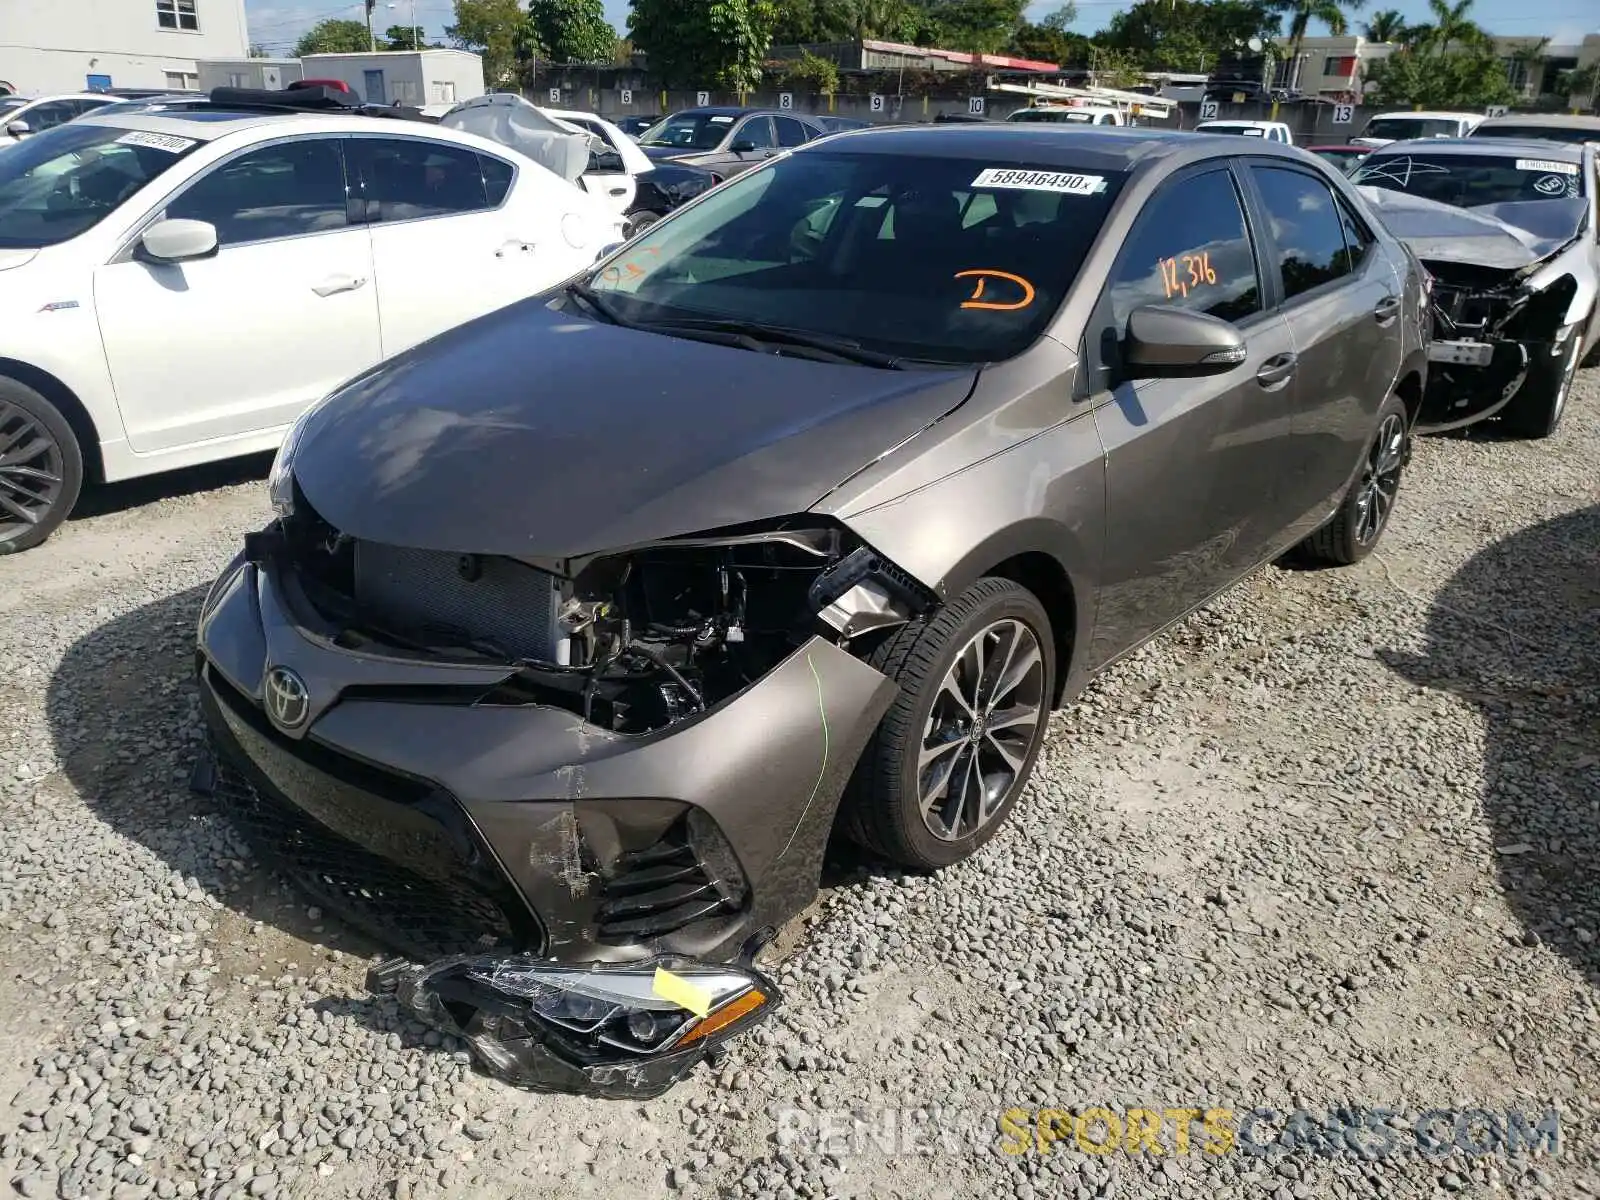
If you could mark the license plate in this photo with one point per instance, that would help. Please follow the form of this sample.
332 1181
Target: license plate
1465 354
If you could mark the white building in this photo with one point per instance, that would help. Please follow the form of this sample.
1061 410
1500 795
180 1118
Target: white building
265 74
415 77
90 45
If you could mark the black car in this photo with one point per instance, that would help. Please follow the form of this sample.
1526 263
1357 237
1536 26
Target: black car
728 140
583 627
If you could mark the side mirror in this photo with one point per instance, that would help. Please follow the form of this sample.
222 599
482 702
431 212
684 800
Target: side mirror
742 146
178 241
19 129
1173 342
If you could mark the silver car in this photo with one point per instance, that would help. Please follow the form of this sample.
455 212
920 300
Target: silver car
1507 228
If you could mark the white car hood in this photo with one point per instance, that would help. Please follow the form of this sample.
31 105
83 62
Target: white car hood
16 258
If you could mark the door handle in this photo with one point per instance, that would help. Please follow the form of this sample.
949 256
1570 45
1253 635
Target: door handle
1275 372
338 283
520 247
618 192
1387 310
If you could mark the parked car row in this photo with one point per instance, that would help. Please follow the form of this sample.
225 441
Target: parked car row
608 580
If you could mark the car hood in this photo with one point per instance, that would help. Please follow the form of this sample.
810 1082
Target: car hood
537 433
1501 236
16 258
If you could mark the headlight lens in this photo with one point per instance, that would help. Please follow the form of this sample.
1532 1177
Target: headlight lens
280 480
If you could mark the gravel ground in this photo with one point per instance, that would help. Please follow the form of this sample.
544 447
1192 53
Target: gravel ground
1330 842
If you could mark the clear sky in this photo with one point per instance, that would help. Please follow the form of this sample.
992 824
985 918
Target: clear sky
277 23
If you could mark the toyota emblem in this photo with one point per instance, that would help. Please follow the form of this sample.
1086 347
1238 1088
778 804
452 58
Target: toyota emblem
288 701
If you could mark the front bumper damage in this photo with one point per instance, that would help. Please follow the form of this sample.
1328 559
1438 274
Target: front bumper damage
461 824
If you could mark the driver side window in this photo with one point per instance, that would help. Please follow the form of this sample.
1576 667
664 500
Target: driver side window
757 131
1189 249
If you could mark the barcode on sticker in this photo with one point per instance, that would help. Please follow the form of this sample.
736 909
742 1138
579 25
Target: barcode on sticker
156 141
1544 164
1040 181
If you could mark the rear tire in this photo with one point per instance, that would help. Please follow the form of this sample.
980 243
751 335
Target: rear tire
1536 410
996 637
638 222
1364 513
41 467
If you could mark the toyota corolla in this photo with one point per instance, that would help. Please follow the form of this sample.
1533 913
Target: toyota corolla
582 627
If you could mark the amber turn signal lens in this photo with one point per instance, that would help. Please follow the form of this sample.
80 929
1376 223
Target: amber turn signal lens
725 1016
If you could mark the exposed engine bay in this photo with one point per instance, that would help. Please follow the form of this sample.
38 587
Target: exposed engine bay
632 642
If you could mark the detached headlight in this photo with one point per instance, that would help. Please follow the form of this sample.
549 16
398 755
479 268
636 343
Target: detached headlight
625 1032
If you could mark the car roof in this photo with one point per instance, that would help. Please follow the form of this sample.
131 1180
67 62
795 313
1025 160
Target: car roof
206 123
1542 121
63 96
1570 152
1231 121
1426 116
1100 148
712 110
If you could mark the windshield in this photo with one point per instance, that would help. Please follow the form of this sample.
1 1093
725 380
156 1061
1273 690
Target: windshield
1541 133
689 131
9 103
1401 129
934 259
1469 180
1053 115
57 185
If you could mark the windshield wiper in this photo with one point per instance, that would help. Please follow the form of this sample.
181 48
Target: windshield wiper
595 303
756 335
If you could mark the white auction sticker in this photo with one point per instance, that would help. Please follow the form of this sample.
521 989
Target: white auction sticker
1545 164
156 141
1040 181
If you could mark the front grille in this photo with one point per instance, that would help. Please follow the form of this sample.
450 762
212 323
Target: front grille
502 603
657 891
421 918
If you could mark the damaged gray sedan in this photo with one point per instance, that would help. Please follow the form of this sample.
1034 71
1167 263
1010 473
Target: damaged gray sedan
1508 231
584 627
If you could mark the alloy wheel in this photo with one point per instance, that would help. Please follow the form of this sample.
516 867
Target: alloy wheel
1380 479
31 470
986 715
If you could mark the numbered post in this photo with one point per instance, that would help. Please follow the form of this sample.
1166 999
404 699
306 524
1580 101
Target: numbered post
1343 114
702 99
876 102
555 95
975 106
785 99
627 95
1208 110
1495 110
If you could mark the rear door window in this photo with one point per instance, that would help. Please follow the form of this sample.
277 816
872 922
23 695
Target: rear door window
790 132
1190 248
1307 228
406 179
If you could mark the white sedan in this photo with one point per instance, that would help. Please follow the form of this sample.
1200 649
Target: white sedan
176 287
23 118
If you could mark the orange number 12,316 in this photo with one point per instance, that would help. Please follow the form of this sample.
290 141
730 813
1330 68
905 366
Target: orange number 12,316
1180 274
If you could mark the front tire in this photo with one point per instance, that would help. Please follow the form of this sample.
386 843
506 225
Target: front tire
1536 410
1364 513
952 754
41 467
638 222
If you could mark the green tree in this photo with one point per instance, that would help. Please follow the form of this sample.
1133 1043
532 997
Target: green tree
1302 12
976 26
1060 19
810 74
1468 74
1385 26
491 28
334 36
1115 68
1582 86
404 37
713 43
571 31
1045 44
1451 28
1185 35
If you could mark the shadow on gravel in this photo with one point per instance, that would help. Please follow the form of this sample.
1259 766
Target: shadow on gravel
1517 632
100 499
124 717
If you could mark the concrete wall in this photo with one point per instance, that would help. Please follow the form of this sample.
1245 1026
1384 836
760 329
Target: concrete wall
269 74
56 45
409 77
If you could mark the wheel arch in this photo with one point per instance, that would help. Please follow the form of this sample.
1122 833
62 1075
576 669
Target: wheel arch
71 408
1411 385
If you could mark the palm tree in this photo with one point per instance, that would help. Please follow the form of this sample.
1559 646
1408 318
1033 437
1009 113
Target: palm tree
1523 60
1302 12
1385 26
1450 26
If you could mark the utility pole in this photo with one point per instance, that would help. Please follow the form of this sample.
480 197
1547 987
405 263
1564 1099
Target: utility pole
372 41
